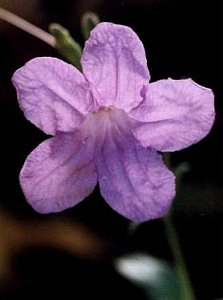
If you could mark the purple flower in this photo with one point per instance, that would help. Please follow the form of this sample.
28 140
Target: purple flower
108 124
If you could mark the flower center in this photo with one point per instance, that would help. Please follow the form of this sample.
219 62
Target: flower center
105 119
104 110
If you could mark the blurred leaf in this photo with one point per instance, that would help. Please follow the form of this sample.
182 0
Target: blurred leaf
133 226
181 170
199 199
153 275
54 232
194 198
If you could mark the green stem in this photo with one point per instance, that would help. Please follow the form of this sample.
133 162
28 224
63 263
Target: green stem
183 276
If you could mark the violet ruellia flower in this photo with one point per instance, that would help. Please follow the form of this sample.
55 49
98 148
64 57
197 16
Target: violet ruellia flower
108 124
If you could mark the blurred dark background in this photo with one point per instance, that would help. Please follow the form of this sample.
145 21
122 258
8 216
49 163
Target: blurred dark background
182 39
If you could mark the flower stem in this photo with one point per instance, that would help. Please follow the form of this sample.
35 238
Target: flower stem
181 269
27 27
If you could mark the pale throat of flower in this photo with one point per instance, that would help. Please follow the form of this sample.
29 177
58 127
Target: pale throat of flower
104 120
104 115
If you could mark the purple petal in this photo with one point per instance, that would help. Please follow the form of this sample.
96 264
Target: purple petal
53 94
59 173
175 114
114 62
134 180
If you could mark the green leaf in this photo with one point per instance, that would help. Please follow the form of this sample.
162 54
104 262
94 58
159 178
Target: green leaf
154 276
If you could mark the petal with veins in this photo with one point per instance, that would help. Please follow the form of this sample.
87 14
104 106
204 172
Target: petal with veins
133 180
174 114
52 94
114 62
59 173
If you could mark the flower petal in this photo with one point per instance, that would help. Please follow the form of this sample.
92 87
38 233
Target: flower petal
175 114
59 173
53 94
134 180
114 62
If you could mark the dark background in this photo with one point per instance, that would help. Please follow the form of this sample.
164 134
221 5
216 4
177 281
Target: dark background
182 39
